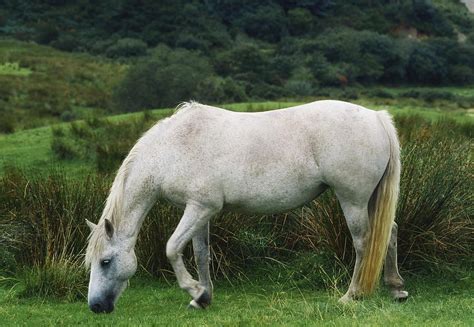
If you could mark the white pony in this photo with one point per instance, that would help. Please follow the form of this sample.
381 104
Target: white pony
207 159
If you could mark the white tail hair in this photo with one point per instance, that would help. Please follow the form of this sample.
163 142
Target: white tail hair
382 207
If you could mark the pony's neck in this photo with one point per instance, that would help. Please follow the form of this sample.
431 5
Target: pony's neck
136 203
133 193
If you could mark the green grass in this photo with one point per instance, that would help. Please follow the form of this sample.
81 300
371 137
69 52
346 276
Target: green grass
31 150
436 302
13 68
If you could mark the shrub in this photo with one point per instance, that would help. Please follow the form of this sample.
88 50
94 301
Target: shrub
266 22
165 79
67 42
300 21
126 47
425 67
211 90
7 124
7 259
360 56
67 116
63 149
234 90
461 74
350 94
245 61
301 82
46 33
428 95
299 88
380 93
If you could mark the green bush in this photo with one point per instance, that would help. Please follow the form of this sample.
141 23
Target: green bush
67 42
301 82
63 149
380 93
425 67
264 21
164 79
67 116
127 47
7 259
46 32
461 74
7 124
429 95
218 90
300 21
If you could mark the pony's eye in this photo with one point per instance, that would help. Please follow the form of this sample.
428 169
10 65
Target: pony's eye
105 262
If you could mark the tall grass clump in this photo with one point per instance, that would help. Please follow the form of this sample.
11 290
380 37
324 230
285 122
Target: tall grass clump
44 230
436 205
63 278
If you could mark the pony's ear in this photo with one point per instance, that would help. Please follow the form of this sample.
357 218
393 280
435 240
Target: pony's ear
109 228
91 225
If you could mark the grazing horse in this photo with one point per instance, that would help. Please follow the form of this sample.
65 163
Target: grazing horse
207 159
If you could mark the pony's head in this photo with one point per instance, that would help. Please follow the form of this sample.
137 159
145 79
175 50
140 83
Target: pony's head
112 262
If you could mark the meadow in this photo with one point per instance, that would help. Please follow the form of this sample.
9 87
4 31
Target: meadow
269 270
56 167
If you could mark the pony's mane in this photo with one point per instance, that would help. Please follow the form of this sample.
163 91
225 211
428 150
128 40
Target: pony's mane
113 206
112 210
184 106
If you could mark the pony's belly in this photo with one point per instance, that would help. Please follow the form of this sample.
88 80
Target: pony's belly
273 202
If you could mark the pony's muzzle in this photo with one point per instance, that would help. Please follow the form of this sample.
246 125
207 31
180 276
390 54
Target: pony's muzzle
102 307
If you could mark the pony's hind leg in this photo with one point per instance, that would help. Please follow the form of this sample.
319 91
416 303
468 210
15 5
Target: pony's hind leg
194 219
392 277
357 218
202 256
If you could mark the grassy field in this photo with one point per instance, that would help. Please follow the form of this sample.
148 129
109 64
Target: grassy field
434 302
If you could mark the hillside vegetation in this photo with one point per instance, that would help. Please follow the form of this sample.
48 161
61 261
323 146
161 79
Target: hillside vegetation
223 51
41 85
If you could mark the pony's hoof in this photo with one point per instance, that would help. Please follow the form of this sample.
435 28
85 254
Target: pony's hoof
193 305
400 296
204 300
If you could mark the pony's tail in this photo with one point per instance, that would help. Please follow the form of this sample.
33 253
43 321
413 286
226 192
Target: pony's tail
382 206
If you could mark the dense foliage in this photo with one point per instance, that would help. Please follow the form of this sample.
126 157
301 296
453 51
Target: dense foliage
233 50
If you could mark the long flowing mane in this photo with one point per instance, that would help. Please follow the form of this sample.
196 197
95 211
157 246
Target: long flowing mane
112 210
113 206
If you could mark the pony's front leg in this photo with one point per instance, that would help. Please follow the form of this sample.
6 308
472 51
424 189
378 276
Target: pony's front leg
392 277
194 219
202 257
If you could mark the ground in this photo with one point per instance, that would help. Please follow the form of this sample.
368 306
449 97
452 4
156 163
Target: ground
435 302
